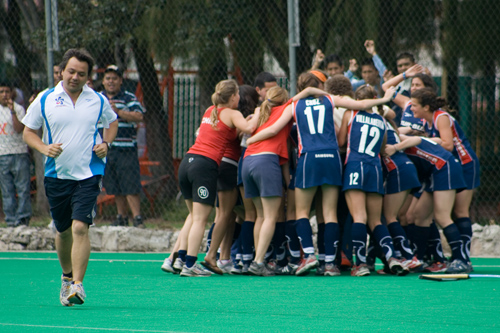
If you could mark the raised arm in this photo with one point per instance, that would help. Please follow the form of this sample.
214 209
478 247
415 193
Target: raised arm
274 129
364 104
410 72
309 91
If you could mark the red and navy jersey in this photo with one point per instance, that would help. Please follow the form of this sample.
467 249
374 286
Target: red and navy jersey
365 135
427 156
315 125
462 149
408 119
399 158
212 142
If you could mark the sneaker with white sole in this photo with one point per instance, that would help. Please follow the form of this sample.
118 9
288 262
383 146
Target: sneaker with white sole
259 269
436 267
167 267
396 267
178 264
195 271
226 266
457 266
361 270
288 269
306 265
331 270
412 264
65 289
76 293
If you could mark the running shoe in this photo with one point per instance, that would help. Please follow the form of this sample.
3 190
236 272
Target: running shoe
178 265
396 267
457 266
306 265
361 270
138 222
331 270
225 267
167 267
76 293
320 270
412 264
236 269
195 271
288 269
65 288
436 267
345 263
259 269
244 269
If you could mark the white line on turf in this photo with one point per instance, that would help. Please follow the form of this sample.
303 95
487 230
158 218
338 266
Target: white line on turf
90 328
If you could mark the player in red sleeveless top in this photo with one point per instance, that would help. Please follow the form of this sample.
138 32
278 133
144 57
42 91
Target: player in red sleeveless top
199 168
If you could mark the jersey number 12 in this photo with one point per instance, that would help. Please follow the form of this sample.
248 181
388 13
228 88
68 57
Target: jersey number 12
374 134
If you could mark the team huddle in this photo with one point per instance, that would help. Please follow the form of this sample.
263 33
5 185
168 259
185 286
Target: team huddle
380 182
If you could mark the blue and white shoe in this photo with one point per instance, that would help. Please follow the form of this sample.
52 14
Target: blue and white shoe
457 266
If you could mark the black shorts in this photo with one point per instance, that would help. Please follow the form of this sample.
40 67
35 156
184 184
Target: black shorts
228 175
198 178
122 174
72 200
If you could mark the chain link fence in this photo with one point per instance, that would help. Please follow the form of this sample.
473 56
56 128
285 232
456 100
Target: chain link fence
174 52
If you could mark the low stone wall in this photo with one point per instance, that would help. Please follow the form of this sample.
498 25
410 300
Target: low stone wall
485 241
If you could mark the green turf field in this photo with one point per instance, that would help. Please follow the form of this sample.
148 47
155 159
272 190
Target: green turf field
127 292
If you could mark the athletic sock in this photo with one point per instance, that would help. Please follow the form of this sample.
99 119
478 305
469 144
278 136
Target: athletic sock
384 240
68 275
321 243
209 237
331 241
190 260
457 246
236 249
410 235
434 245
247 241
237 230
293 241
400 241
464 225
359 235
182 255
279 243
304 231
371 255
421 236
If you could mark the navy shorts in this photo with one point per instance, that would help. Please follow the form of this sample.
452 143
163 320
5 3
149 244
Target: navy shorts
449 177
318 168
262 176
198 178
228 175
365 177
72 200
122 174
472 174
404 177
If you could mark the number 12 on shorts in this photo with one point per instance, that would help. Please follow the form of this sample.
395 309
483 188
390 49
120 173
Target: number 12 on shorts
353 178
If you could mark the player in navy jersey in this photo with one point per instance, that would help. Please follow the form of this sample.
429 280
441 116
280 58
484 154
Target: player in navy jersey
444 175
439 123
400 176
364 132
408 122
318 151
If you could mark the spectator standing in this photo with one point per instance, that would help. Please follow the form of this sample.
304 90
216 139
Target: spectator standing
263 82
122 176
74 164
14 161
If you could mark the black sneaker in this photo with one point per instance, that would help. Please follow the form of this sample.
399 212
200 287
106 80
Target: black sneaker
120 221
138 223
22 221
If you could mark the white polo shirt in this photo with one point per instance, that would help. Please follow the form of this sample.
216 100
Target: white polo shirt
11 142
75 126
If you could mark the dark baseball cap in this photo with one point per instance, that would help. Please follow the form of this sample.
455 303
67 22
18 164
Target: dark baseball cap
113 68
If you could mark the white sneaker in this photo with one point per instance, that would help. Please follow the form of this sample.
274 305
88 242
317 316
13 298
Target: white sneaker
225 267
195 271
178 265
65 288
167 267
76 293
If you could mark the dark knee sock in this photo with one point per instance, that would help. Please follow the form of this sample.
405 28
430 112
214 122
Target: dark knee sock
421 237
304 231
464 225
400 241
293 241
434 245
359 237
457 246
331 241
247 246
321 243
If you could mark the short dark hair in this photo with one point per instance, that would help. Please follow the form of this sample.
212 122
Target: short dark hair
406 55
427 80
368 62
80 54
262 78
6 83
249 99
333 58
